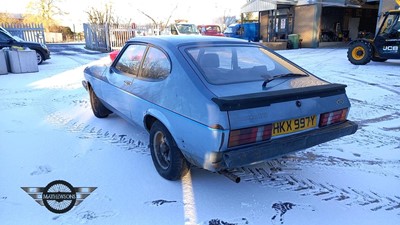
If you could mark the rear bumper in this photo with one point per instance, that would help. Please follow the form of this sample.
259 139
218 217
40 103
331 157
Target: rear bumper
258 153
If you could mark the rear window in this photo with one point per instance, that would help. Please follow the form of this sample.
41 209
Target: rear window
235 64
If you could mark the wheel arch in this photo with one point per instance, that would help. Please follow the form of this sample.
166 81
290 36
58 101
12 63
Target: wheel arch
152 116
366 41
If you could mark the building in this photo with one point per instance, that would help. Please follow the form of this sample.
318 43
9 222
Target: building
317 20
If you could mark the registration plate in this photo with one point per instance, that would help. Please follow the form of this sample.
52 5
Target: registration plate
294 125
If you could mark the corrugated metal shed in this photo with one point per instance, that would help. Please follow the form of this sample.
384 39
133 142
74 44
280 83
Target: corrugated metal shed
258 6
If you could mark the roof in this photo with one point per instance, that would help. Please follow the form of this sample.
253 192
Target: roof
178 40
258 6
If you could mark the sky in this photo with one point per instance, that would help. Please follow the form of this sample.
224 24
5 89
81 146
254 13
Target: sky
198 12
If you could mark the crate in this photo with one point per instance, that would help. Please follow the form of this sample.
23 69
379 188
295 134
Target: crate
3 63
23 61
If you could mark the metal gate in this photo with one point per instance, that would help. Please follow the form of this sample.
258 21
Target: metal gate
119 34
27 32
107 37
96 37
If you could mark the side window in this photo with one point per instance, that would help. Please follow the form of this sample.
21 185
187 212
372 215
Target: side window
156 65
130 60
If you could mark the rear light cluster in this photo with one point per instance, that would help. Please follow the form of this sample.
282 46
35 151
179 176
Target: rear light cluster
263 133
249 135
333 117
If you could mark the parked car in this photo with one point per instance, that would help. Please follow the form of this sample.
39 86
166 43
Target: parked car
210 30
216 102
181 29
8 40
247 31
114 54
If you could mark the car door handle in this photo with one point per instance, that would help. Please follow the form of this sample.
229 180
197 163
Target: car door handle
128 82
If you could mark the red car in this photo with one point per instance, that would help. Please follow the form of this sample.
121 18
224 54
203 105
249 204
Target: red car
114 54
210 30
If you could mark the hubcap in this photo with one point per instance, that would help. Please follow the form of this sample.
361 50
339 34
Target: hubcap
38 57
162 150
358 53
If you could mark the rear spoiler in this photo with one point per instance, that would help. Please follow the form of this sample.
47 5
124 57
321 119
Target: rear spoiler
247 101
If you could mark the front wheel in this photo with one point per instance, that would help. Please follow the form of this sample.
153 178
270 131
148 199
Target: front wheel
359 53
39 58
167 157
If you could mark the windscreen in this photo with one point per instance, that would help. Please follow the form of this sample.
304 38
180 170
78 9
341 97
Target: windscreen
235 64
187 28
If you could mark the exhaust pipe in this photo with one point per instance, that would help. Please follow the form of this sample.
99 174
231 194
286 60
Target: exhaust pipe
230 176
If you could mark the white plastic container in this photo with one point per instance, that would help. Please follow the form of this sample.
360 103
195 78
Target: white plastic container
3 63
23 61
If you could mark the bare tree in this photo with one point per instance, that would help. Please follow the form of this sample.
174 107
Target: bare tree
7 18
43 11
160 25
101 16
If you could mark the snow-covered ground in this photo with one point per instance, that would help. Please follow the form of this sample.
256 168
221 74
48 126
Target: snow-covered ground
48 132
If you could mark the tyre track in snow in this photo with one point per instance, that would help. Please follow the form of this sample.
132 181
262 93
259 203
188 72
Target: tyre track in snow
86 130
276 174
58 114
394 88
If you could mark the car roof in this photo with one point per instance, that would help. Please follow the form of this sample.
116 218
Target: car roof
208 25
180 40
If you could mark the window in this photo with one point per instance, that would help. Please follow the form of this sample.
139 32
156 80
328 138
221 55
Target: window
391 27
235 64
186 28
156 65
130 60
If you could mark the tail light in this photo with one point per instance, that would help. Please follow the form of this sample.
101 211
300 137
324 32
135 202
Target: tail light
249 135
333 117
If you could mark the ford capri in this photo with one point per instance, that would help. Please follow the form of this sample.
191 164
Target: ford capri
216 103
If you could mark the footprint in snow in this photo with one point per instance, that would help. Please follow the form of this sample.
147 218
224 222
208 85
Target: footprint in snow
159 202
281 208
241 221
41 170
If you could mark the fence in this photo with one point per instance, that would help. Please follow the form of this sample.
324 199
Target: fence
107 37
119 34
27 32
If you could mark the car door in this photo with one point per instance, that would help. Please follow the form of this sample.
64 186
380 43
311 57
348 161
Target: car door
150 85
116 91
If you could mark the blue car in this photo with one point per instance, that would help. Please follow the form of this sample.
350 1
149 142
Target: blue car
216 103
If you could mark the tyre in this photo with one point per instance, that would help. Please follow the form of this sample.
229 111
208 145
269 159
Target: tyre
39 58
99 110
167 157
359 53
376 59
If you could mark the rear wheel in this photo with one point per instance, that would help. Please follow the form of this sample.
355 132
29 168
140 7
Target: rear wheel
167 157
359 53
99 110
